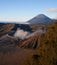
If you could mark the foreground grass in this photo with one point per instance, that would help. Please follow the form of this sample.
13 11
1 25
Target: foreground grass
14 56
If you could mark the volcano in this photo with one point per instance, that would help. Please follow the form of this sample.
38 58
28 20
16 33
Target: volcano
40 19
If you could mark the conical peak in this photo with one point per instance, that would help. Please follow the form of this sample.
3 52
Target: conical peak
41 15
40 19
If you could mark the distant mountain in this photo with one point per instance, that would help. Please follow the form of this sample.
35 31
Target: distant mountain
40 19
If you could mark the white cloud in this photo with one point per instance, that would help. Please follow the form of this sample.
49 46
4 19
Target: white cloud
52 10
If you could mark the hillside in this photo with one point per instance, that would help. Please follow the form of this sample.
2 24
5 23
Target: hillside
46 54
6 28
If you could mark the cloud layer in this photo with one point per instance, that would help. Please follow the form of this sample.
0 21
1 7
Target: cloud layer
13 19
52 10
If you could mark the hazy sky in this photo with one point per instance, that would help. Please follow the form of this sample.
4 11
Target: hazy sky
23 10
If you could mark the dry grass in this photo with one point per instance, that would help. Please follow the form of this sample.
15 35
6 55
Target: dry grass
14 56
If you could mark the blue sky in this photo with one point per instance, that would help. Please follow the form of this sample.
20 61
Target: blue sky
23 10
